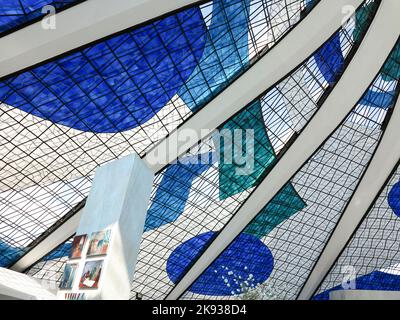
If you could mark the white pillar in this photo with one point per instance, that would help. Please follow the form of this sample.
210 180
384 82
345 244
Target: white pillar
298 45
385 159
117 203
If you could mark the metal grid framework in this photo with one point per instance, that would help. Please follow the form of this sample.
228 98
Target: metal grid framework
15 14
284 249
371 260
50 268
191 198
49 150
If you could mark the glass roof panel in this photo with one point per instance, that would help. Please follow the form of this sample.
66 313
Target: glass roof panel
51 267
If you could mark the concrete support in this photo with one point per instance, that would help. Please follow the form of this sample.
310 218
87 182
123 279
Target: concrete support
17 286
52 241
284 57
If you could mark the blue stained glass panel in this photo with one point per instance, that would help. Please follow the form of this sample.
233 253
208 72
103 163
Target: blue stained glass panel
376 280
391 69
14 13
285 204
115 85
9 254
379 96
225 53
60 252
384 100
173 191
394 199
330 59
262 155
247 261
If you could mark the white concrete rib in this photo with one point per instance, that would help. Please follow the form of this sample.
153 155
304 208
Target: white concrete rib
81 24
57 237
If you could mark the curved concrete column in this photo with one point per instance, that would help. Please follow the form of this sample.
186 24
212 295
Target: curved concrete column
283 58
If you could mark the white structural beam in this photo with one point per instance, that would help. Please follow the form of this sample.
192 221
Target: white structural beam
283 58
289 53
81 24
52 241
385 159
371 55
364 295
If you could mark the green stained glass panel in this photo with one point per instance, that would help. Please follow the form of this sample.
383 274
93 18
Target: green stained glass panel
231 180
391 69
363 16
285 204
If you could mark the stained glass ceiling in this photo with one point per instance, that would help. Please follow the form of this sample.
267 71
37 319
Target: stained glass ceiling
63 118
191 203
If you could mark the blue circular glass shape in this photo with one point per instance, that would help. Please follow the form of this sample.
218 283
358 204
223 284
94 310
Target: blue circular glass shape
394 199
247 261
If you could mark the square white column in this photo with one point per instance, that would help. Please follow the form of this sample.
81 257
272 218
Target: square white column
117 204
